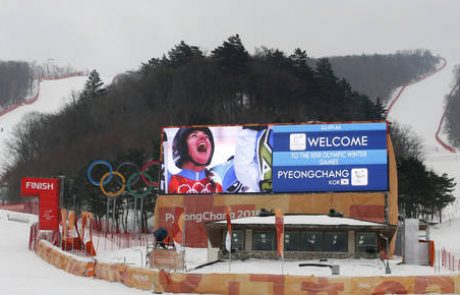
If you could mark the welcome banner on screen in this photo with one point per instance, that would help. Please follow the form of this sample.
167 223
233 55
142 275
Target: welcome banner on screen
330 157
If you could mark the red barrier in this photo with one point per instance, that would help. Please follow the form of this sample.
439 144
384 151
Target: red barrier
395 99
441 122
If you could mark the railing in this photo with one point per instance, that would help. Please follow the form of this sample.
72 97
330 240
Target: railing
447 260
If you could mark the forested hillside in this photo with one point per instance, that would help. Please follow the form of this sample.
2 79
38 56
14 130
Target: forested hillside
183 87
377 75
122 122
16 80
453 111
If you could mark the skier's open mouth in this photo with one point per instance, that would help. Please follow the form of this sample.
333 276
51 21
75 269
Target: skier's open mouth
202 147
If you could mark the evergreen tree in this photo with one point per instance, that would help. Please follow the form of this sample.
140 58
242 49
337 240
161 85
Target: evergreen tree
421 191
441 193
324 72
231 56
299 62
278 59
94 86
151 65
299 58
380 113
413 185
182 54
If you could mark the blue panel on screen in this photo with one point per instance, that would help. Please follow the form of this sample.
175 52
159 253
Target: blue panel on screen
330 179
330 157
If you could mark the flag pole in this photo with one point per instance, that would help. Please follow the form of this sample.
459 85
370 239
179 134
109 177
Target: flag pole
230 256
228 239
279 225
183 241
282 253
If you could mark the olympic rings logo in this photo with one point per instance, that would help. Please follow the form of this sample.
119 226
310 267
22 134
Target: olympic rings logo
122 183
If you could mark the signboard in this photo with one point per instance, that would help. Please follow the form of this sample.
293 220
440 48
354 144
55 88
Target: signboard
47 190
167 259
275 158
330 157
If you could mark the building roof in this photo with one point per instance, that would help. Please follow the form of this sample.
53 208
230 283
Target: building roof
303 220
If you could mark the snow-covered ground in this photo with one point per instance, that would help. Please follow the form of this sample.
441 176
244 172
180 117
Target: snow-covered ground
23 272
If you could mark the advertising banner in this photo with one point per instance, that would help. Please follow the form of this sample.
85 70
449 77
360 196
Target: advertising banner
275 158
330 157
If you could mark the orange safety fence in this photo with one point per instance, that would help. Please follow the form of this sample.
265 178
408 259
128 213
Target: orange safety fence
51 254
111 272
161 281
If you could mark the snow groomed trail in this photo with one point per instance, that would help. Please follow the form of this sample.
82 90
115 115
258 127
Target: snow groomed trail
420 105
34 97
51 95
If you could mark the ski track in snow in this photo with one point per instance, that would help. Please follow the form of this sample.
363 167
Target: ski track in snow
421 107
53 96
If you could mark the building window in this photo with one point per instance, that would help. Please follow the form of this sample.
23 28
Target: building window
336 241
237 239
311 241
291 241
366 242
263 241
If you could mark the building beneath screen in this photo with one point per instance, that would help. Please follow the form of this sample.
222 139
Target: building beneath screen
305 237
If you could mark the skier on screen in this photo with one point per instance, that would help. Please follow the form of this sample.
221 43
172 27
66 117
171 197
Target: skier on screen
193 149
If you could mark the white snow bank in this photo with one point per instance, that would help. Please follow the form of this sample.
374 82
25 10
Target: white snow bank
303 219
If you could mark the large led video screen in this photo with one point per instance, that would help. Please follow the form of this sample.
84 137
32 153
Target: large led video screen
274 158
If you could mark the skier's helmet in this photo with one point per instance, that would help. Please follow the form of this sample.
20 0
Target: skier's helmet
180 148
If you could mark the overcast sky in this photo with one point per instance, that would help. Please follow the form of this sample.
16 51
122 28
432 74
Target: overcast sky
113 36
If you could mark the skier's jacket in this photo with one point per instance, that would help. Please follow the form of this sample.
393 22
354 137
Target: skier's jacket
192 182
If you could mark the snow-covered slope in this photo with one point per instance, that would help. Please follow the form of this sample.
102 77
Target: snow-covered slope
421 106
54 95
